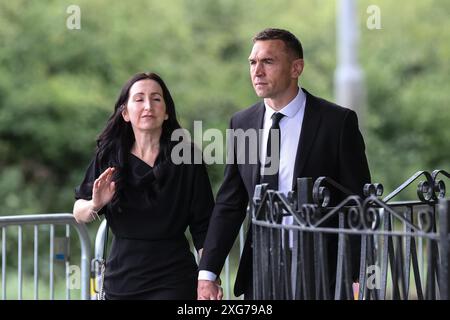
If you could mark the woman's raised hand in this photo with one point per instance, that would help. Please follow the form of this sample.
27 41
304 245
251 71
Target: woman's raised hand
103 189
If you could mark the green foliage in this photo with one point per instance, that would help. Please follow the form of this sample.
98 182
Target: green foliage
58 86
407 71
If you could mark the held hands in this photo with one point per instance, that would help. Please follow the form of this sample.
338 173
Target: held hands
209 290
103 189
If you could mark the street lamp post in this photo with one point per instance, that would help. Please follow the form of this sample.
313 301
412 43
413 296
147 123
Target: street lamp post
349 78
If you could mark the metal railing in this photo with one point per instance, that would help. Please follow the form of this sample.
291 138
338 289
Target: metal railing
65 219
398 250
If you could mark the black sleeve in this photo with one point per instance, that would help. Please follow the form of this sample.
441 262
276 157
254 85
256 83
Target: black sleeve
84 190
353 167
354 173
226 220
202 204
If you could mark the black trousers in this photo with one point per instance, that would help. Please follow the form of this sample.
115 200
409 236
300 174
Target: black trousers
248 291
182 291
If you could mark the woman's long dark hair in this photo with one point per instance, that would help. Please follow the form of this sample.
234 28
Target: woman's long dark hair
115 142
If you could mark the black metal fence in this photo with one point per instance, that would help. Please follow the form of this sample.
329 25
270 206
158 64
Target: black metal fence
366 249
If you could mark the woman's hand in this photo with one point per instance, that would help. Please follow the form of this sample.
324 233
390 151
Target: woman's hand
103 190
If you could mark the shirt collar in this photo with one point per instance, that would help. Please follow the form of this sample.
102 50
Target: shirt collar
291 108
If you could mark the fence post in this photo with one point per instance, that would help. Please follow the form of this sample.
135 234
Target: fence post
303 253
444 223
304 191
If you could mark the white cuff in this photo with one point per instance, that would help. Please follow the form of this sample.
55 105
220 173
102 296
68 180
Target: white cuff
206 275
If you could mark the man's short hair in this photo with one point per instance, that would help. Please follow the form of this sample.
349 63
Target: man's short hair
290 41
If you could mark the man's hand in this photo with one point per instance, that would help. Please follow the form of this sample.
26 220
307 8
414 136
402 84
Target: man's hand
209 290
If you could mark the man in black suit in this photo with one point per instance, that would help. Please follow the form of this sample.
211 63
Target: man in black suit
325 137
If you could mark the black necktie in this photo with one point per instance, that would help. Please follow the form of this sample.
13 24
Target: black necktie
272 179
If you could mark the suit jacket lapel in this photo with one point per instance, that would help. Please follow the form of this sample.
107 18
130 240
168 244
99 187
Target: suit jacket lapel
311 122
256 122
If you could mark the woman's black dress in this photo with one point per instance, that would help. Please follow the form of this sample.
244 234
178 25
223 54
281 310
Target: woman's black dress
150 256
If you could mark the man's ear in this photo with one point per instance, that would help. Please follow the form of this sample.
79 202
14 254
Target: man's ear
297 67
125 114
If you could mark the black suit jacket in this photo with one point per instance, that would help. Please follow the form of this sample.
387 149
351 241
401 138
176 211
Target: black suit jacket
330 145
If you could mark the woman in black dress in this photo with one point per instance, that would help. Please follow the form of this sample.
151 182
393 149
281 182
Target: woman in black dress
148 200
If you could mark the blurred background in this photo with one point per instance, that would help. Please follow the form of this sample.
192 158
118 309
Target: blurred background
58 85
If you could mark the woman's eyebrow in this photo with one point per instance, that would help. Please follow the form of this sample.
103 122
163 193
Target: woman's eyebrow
143 93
